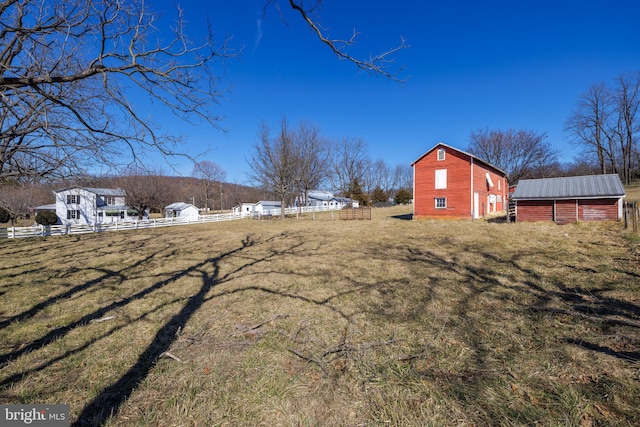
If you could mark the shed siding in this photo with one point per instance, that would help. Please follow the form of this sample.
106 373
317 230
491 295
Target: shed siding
534 210
566 211
598 210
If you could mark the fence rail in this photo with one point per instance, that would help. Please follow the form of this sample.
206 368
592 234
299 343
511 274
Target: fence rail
63 230
631 216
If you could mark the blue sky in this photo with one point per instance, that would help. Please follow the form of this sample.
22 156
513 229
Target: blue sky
470 65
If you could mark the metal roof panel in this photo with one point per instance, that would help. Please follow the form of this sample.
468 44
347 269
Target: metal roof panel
588 186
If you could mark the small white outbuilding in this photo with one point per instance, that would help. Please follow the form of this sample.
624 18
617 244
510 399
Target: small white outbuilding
182 210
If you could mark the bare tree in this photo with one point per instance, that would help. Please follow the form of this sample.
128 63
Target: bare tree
517 152
349 161
66 70
274 163
210 175
627 102
403 174
72 71
144 189
312 163
589 125
18 199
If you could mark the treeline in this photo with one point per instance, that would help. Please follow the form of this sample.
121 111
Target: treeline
288 161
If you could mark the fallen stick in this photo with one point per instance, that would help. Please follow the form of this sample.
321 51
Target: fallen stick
171 356
103 319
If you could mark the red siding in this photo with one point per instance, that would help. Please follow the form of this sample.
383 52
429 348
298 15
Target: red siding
534 210
566 211
598 210
459 192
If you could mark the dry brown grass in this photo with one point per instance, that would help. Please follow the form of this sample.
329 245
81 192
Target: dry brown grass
320 322
633 191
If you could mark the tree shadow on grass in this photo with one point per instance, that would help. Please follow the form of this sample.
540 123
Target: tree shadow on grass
488 288
110 399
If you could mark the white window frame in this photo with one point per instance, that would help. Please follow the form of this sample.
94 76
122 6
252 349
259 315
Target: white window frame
441 154
73 199
442 204
441 179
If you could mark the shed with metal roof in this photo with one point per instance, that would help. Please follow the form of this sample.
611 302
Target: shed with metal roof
569 199
182 210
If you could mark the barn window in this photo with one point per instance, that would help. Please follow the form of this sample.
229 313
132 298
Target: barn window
441 202
441 179
441 154
489 181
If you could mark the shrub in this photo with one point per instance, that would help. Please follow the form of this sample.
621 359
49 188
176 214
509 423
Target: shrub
379 196
403 196
47 218
5 216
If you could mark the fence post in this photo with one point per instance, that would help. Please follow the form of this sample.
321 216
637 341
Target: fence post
625 214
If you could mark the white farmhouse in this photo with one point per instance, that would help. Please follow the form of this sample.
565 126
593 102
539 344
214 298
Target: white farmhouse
88 206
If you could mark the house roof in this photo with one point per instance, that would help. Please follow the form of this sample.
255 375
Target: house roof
268 203
475 158
179 206
98 191
587 187
320 195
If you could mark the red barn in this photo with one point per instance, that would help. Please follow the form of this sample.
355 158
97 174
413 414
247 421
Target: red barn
449 183
570 199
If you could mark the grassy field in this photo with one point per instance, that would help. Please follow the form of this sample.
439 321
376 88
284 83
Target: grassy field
633 191
314 322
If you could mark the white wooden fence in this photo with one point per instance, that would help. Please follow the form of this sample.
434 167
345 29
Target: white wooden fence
62 230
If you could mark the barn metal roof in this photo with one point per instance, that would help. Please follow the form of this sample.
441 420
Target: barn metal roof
588 187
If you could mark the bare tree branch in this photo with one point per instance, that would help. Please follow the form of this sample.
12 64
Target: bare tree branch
67 70
379 64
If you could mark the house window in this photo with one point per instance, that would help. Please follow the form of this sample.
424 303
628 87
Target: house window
73 198
441 179
73 214
441 154
441 202
109 200
499 184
